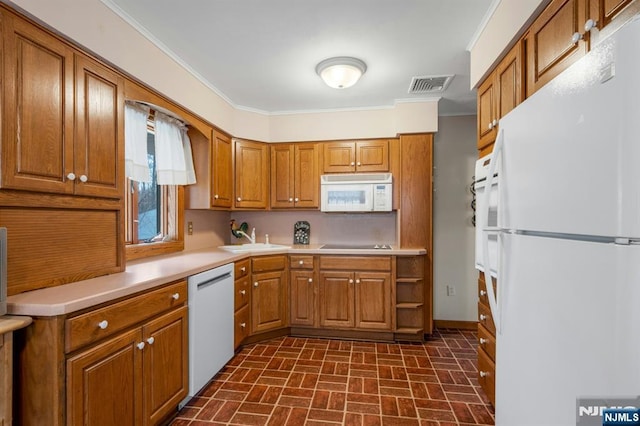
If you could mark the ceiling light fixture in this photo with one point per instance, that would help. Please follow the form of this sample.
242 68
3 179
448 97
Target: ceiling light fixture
341 72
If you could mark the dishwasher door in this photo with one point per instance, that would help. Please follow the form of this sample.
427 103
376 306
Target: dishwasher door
210 325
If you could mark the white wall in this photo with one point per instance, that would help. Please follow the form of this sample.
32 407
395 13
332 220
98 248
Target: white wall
453 234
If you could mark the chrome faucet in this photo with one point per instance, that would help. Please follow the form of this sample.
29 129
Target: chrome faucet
251 238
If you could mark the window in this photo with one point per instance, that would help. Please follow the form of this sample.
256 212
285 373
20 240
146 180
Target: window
152 211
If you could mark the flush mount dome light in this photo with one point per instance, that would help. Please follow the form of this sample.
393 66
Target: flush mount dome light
341 72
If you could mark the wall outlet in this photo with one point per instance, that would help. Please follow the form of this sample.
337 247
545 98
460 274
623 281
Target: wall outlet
451 290
190 228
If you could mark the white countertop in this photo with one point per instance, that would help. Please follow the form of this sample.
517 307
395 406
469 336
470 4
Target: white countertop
147 273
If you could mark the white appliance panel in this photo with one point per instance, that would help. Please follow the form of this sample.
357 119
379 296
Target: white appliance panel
568 309
571 150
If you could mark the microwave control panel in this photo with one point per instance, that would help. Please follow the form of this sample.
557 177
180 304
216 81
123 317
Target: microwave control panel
382 197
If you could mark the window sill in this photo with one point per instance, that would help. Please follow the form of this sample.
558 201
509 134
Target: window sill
139 251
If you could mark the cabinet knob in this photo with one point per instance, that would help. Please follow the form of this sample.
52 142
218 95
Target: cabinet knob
494 122
215 197
310 280
243 269
483 317
483 340
301 262
243 325
150 340
140 345
576 37
359 163
175 296
290 200
483 293
71 176
484 373
83 178
103 324
255 284
353 163
239 199
243 292
358 281
490 126
350 281
590 24
296 199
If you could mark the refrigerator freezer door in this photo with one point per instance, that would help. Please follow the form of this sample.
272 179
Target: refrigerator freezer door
571 151
569 327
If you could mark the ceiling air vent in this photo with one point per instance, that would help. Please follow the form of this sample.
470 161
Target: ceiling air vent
430 83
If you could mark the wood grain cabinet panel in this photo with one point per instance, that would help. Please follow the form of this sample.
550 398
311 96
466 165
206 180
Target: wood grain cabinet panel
605 12
550 45
302 298
487 117
373 305
295 176
337 299
221 175
360 156
251 171
242 301
269 293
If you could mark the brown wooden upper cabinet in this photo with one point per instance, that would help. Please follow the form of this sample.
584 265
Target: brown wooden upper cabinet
221 175
295 176
555 40
63 124
498 94
251 160
360 156
604 12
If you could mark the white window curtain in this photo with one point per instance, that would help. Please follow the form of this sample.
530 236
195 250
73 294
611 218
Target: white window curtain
136 164
174 162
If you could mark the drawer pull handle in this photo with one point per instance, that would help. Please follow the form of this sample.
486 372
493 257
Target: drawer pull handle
140 345
103 324
243 325
301 262
483 317
310 280
483 293
483 340
175 296
484 373
243 292
150 340
255 284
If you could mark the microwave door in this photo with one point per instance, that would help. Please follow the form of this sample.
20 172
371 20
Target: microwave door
349 198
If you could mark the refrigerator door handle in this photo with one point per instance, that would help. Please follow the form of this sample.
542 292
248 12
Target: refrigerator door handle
486 231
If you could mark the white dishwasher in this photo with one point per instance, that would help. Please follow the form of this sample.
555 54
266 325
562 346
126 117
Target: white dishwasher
210 325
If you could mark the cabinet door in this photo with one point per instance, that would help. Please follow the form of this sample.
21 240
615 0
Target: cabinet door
306 176
302 298
37 112
372 156
104 383
550 48
282 176
336 299
221 175
251 174
373 309
605 11
486 112
166 368
268 301
508 85
99 143
339 157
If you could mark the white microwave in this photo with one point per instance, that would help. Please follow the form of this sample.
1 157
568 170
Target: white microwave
371 192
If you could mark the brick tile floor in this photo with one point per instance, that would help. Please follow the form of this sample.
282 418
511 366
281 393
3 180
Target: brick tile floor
309 381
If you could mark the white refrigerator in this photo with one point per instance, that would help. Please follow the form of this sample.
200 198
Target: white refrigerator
567 240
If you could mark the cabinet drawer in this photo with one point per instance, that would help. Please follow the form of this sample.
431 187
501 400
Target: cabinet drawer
241 326
356 263
487 341
301 262
487 375
482 289
268 263
242 268
242 292
86 328
485 318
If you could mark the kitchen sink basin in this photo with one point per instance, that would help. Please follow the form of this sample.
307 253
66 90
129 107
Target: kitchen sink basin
236 248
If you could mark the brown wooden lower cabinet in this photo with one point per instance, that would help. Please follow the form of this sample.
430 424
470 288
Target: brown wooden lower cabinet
302 298
269 293
486 340
131 367
242 301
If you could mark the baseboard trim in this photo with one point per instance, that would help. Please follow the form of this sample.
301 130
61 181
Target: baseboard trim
463 325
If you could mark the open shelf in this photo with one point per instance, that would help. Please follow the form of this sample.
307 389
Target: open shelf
409 305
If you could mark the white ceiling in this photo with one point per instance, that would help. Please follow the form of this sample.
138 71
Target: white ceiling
261 54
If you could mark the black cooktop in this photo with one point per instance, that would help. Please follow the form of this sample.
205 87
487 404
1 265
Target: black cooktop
356 247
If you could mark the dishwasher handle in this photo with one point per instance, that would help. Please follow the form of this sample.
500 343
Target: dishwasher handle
212 281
